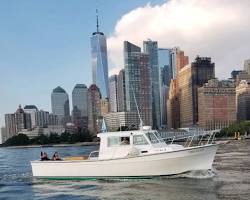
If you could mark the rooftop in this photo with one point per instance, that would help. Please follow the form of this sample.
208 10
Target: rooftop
59 90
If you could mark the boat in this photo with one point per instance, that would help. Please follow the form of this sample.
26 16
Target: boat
142 153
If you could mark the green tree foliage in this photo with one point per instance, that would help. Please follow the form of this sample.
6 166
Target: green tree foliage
20 139
242 127
83 135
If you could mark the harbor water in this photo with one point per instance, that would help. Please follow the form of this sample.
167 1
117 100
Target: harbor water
229 178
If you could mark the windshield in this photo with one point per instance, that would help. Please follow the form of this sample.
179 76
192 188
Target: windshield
151 136
154 137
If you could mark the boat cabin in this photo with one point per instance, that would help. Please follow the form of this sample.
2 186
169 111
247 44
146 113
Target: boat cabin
131 143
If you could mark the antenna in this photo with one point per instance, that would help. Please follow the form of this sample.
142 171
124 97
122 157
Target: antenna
141 122
97 22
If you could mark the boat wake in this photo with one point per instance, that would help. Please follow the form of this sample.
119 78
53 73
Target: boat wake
198 174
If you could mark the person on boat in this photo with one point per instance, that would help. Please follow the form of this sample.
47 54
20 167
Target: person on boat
56 156
44 156
125 141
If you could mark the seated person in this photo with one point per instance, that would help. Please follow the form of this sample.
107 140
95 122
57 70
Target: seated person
125 141
44 156
56 156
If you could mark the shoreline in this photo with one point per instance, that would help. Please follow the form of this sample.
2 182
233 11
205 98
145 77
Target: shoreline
78 144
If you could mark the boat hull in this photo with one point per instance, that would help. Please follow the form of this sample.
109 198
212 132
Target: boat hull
168 163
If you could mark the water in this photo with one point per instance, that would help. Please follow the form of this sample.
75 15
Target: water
229 179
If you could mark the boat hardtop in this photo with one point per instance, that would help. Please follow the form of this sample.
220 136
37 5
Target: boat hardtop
132 143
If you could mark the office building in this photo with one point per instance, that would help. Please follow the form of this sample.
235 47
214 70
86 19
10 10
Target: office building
177 61
3 135
190 78
247 66
138 82
234 74
164 93
80 106
243 75
16 122
173 106
31 109
151 48
116 120
99 61
164 65
113 98
41 118
80 98
94 109
243 100
217 104
53 120
60 105
121 91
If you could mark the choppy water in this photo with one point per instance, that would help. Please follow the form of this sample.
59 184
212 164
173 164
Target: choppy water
229 179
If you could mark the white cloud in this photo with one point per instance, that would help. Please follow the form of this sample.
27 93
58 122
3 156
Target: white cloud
216 28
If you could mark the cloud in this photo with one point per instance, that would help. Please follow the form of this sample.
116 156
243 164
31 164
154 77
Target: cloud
216 28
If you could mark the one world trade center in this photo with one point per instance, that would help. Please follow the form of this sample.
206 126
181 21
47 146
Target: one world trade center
99 61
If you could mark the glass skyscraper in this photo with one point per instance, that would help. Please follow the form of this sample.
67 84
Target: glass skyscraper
138 82
60 105
80 98
80 105
99 62
151 48
164 64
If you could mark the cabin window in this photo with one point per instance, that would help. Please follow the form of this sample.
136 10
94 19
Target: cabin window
125 141
113 141
117 141
139 140
151 136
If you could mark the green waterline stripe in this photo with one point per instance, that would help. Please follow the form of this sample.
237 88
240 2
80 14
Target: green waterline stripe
95 178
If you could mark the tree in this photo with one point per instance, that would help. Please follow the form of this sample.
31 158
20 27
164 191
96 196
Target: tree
17 140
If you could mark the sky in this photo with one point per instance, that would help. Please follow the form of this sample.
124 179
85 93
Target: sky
44 44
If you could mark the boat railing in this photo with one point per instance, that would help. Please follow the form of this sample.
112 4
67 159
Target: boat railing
207 137
93 155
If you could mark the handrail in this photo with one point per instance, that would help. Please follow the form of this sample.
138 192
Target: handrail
92 152
191 141
190 138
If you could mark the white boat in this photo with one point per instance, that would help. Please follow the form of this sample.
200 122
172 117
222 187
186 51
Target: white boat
131 154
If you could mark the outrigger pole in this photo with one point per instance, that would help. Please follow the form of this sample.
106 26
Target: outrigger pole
141 122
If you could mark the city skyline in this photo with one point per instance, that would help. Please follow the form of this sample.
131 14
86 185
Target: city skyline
67 61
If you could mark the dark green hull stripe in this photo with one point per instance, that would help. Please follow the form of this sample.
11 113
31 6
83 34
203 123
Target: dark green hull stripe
95 178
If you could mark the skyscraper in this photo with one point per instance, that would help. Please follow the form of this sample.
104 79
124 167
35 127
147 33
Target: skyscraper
80 105
31 109
99 61
247 66
121 91
151 48
138 82
23 120
80 98
42 118
164 65
60 105
17 122
243 100
113 93
94 108
190 78
177 61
